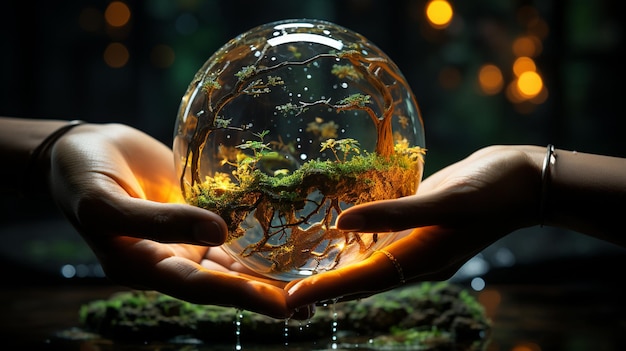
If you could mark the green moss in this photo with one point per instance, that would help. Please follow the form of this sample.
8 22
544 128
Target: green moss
417 316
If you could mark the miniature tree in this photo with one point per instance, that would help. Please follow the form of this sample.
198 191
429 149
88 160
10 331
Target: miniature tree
295 206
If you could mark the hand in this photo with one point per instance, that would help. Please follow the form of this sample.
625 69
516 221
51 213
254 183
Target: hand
457 212
119 189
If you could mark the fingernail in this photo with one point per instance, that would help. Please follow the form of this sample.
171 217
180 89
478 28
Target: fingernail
350 222
209 233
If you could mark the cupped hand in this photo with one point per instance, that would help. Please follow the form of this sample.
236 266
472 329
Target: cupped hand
119 189
456 213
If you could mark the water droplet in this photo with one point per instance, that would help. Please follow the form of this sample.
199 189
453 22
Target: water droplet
333 324
238 318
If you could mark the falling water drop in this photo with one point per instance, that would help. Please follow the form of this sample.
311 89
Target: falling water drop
238 318
306 325
286 332
334 324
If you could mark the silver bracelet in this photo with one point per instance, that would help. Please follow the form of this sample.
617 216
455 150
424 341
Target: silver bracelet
548 162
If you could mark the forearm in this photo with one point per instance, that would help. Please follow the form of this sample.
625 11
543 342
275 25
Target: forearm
587 194
18 138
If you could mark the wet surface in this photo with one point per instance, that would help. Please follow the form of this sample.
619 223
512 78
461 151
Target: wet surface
566 304
537 316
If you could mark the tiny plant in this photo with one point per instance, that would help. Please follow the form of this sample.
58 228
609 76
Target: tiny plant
295 204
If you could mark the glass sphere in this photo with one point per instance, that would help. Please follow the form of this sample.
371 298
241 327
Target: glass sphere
286 126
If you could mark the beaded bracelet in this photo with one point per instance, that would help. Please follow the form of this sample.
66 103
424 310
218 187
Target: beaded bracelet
548 162
396 265
41 149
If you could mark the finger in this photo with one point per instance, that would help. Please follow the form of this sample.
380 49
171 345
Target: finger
183 279
371 275
162 222
149 265
427 254
393 215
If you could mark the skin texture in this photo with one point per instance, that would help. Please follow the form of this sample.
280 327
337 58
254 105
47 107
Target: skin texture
118 187
467 206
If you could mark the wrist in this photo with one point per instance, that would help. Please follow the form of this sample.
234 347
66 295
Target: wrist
586 191
542 162
37 168
546 175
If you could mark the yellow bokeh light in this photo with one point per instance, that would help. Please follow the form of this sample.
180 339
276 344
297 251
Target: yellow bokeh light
117 14
529 84
439 13
116 55
490 79
523 64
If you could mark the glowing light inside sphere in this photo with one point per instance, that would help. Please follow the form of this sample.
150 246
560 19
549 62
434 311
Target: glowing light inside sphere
286 126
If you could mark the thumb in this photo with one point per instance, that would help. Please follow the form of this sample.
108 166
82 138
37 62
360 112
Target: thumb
162 222
393 215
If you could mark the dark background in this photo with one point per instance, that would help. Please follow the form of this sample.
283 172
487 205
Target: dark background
52 66
52 63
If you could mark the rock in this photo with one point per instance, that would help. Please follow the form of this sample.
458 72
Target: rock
431 314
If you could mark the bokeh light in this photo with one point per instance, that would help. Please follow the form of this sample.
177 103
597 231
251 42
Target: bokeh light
162 56
116 55
477 283
527 46
117 14
439 13
490 79
523 64
529 84
526 346
490 299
